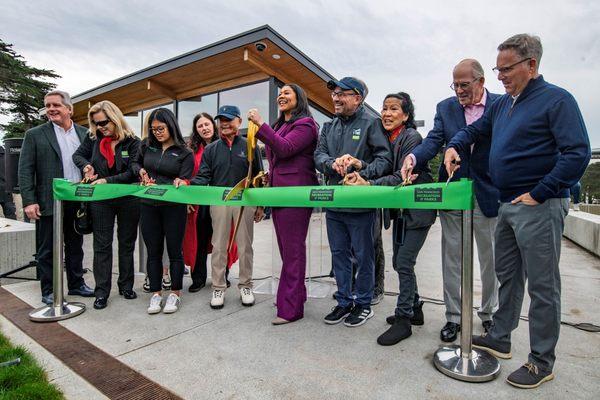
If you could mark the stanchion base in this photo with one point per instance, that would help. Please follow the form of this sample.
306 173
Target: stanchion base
51 313
481 367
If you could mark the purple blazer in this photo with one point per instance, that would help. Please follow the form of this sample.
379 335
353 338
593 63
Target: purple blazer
290 152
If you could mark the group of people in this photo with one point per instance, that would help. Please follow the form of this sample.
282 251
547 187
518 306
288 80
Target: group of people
523 150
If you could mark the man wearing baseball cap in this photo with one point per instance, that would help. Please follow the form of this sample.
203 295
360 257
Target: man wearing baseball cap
355 141
225 163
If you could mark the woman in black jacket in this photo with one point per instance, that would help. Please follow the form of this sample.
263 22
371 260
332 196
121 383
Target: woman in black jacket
164 159
410 226
104 157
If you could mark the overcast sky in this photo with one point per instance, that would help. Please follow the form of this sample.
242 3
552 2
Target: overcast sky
392 45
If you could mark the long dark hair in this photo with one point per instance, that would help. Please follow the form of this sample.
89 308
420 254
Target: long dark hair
195 139
300 111
167 117
407 106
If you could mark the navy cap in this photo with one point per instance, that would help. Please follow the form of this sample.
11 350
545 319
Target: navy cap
347 83
228 112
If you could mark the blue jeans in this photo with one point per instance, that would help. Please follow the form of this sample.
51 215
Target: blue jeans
346 232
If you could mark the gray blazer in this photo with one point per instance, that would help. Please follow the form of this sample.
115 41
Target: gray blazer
40 162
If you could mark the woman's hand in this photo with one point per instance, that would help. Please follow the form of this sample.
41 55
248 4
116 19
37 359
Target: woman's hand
354 179
255 117
259 214
100 181
88 173
191 208
180 182
145 178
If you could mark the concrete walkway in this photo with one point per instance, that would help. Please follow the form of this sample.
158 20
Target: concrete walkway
235 353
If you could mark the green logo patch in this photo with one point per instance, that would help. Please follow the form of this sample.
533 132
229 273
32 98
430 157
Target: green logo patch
431 195
238 195
356 134
84 191
321 194
155 191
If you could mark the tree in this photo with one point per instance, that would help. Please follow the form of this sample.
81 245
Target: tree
22 90
590 182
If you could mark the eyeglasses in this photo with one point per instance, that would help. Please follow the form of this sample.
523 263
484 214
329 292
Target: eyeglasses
102 123
504 70
160 129
342 94
461 85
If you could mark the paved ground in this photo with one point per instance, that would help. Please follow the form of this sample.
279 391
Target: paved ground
235 353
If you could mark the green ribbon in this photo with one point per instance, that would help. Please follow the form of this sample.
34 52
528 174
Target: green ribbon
454 196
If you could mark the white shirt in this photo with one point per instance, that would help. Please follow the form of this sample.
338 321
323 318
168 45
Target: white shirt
69 142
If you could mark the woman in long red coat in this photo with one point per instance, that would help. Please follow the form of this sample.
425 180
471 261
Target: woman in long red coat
290 146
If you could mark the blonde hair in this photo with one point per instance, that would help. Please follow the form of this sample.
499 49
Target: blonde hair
145 126
114 114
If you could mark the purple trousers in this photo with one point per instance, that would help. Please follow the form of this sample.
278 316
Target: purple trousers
291 228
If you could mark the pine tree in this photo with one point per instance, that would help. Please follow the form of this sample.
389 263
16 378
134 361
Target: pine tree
22 90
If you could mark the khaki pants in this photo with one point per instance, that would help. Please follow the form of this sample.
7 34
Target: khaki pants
222 220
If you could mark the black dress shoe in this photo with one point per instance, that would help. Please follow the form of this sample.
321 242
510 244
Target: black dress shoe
449 332
83 291
100 303
487 325
129 294
196 286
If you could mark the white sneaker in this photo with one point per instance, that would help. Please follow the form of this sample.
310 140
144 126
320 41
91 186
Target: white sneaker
172 304
247 297
576 207
218 299
155 302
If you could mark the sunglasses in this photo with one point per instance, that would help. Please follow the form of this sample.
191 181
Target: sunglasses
102 123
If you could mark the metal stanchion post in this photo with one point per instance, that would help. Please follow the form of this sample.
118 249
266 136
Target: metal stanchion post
60 309
463 362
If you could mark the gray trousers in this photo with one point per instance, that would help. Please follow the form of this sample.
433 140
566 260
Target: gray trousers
528 248
483 230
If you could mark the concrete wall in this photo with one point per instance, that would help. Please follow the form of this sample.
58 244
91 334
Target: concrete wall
583 229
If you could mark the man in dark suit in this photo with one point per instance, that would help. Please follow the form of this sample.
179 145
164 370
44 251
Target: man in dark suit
453 114
47 153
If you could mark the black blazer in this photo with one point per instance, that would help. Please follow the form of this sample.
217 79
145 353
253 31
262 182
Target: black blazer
125 152
40 162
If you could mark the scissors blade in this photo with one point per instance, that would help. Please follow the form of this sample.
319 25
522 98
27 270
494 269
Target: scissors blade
236 189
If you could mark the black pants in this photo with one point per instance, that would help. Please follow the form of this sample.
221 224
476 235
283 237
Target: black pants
160 222
73 249
127 212
204 233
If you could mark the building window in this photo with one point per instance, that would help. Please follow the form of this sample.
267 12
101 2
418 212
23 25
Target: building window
146 113
187 109
320 117
247 97
134 120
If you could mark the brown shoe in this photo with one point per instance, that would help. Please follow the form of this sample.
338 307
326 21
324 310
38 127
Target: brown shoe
280 321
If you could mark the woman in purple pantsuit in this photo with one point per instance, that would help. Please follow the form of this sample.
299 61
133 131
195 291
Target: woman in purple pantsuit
290 145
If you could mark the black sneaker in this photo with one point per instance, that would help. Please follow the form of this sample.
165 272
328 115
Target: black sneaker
529 376
337 314
358 316
486 343
417 319
396 333
146 285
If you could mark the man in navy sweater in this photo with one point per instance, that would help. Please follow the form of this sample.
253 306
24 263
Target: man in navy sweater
453 114
540 148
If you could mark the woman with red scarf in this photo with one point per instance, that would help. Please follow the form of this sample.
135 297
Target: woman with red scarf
198 230
104 157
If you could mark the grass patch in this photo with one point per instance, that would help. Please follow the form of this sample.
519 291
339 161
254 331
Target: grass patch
26 381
